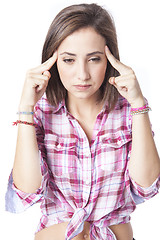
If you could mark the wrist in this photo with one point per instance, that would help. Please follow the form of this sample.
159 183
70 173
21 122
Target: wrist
25 108
138 103
26 117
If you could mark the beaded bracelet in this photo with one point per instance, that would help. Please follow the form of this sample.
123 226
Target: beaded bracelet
144 109
141 108
24 122
25 113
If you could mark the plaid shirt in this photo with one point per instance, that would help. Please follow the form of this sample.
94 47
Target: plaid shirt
83 181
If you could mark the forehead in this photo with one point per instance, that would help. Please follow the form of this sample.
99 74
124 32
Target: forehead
85 39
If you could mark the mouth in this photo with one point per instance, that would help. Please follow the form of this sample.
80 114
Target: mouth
82 87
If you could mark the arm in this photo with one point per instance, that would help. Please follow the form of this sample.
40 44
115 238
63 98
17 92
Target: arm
26 169
144 164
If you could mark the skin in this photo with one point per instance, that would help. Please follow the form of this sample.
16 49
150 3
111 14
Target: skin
82 76
144 164
82 69
26 169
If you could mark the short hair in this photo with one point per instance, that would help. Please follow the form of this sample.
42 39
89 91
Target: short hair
67 21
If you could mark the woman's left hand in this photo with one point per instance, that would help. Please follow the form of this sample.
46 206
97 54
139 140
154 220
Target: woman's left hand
126 84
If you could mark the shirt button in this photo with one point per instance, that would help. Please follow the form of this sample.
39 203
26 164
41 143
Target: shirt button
87 153
118 142
87 182
59 146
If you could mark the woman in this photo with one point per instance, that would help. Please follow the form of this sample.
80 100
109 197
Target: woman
85 147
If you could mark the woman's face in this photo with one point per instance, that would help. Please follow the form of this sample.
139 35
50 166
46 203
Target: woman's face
82 63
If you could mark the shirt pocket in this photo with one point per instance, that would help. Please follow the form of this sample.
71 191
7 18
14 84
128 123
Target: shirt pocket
114 150
61 154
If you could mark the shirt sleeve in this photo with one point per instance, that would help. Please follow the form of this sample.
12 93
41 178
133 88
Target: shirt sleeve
17 201
139 193
145 193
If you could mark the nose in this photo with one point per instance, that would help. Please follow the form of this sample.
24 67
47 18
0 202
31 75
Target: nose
83 73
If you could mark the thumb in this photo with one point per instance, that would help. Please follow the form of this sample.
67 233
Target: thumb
47 73
112 80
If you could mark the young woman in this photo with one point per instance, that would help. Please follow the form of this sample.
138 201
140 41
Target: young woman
85 147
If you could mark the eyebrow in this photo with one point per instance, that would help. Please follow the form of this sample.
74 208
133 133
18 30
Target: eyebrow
88 54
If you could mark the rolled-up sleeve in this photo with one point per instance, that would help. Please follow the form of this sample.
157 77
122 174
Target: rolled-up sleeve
139 193
145 193
17 201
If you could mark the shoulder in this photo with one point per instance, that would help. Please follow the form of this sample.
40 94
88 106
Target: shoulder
122 105
45 107
120 117
44 112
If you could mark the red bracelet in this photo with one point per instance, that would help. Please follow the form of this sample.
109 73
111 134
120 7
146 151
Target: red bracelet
24 122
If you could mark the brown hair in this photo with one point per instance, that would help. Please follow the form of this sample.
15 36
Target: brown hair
69 20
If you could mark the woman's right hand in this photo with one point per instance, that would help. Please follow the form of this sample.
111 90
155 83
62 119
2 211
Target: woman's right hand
35 84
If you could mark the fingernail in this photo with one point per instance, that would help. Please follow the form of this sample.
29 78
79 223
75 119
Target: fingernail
111 80
106 47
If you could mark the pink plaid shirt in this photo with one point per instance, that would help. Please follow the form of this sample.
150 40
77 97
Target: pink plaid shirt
84 181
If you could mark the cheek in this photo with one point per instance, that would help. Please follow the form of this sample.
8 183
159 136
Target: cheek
64 74
100 72
104 67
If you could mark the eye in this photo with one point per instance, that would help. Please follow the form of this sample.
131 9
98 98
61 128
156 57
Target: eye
95 59
68 60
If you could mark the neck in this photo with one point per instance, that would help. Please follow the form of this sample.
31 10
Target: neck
84 107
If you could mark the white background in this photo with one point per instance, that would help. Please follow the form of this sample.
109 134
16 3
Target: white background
23 27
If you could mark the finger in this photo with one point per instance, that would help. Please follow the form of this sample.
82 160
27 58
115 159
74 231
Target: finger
125 80
112 80
120 81
35 76
38 82
120 87
47 74
46 65
120 67
49 63
41 87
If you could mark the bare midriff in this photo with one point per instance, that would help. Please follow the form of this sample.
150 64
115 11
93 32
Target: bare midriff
57 232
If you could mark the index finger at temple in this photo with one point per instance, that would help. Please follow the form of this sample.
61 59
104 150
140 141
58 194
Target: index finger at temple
47 64
120 67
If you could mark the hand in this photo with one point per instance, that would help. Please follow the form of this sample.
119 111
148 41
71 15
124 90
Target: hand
126 84
36 83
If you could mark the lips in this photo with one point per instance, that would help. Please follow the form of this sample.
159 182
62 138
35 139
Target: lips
82 87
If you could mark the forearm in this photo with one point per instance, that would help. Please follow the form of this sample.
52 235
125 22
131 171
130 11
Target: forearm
144 165
26 170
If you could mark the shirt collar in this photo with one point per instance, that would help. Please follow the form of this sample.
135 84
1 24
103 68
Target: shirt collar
62 105
59 107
